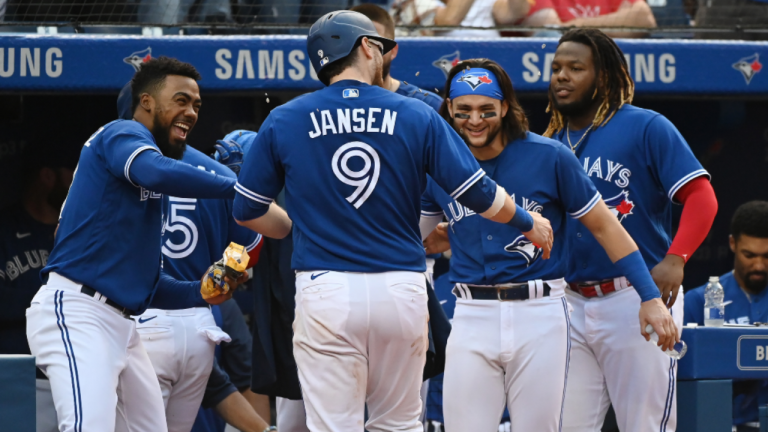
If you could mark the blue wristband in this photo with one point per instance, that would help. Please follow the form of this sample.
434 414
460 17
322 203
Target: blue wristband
633 268
521 220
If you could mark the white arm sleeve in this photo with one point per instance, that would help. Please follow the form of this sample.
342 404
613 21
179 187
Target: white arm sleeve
428 223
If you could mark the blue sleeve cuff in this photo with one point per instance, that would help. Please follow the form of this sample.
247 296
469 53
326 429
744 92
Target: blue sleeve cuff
479 196
633 268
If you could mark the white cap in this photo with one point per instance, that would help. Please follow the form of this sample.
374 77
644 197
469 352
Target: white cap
714 278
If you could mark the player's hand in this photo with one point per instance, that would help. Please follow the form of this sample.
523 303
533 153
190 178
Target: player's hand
437 241
234 283
219 299
655 313
541 235
229 153
668 275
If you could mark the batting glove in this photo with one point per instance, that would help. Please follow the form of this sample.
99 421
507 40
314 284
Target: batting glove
229 153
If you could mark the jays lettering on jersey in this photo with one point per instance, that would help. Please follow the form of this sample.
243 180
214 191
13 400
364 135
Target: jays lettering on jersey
354 169
638 161
541 175
197 231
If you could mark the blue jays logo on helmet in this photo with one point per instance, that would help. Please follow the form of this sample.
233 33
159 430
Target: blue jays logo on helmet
139 58
474 79
524 247
620 205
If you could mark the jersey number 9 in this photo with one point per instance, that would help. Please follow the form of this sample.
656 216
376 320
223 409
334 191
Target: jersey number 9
365 179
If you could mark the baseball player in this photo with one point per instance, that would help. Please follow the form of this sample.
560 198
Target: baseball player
179 333
353 158
640 164
745 289
503 287
105 263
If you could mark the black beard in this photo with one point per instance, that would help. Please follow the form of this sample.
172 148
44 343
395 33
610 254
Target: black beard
162 139
576 108
385 69
755 286
488 141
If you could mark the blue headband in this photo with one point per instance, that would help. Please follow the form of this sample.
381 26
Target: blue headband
476 81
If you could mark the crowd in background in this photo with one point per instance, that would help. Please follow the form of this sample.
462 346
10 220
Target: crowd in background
415 17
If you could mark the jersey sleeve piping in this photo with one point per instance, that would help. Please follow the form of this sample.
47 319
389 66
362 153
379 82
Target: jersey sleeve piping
255 243
253 195
468 184
590 205
127 169
683 181
429 213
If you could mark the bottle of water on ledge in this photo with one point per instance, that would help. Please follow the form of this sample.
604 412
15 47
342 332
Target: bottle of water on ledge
678 350
714 313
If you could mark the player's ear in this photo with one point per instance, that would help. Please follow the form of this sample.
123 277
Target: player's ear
147 102
367 49
504 108
732 243
393 52
450 106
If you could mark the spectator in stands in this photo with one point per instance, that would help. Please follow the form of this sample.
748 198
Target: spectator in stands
287 11
592 13
745 286
743 14
26 238
180 11
468 13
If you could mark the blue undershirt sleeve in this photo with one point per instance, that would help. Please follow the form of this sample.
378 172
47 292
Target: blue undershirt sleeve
167 176
173 294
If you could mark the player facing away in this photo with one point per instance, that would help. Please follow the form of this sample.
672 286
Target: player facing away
105 262
640 164
503 287
353 158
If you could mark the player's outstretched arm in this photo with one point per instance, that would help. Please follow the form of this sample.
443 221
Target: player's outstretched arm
623 252
236 410
164 175
275 223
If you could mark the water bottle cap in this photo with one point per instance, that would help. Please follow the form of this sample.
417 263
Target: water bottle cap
714 278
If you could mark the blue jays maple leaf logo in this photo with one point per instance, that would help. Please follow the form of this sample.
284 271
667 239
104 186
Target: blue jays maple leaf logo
620 205
474 80
525 248
749 66
139 58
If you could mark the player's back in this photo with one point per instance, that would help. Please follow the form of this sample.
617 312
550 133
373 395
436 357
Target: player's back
354 158
109 225
197 231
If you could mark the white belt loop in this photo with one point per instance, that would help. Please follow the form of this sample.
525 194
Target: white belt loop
620 283
539 288
532 289
467 292
599 290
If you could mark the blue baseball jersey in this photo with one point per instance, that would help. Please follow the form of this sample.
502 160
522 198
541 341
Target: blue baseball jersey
24 248
354 159
637 161
426 96
542 176
197 231
745 309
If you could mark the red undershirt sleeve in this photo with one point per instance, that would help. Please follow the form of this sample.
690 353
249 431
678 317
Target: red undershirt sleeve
699 209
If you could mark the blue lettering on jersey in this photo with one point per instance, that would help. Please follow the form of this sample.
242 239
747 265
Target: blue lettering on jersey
354 170
109 229
542 176
638 161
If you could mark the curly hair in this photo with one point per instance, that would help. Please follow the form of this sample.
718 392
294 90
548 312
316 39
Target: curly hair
751 219
515 123
151 76
617 86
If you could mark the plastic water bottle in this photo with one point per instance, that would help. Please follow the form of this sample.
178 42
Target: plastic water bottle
714 315
678 350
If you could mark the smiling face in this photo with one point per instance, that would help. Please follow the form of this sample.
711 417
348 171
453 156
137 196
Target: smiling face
751 262
574 79
174 110
481 128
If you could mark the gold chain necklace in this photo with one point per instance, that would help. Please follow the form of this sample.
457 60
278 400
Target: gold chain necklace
568 134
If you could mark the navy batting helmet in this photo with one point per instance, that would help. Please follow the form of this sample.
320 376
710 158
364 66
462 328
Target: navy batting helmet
336 34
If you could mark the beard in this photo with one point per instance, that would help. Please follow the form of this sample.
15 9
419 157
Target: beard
385 68
577 107
492 134
162 136
756 286
378 77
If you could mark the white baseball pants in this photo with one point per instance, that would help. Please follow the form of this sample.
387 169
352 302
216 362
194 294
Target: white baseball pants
361 337
507 351
180 344
612 362
101 377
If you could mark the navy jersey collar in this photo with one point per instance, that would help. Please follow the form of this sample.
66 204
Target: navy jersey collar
349 83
